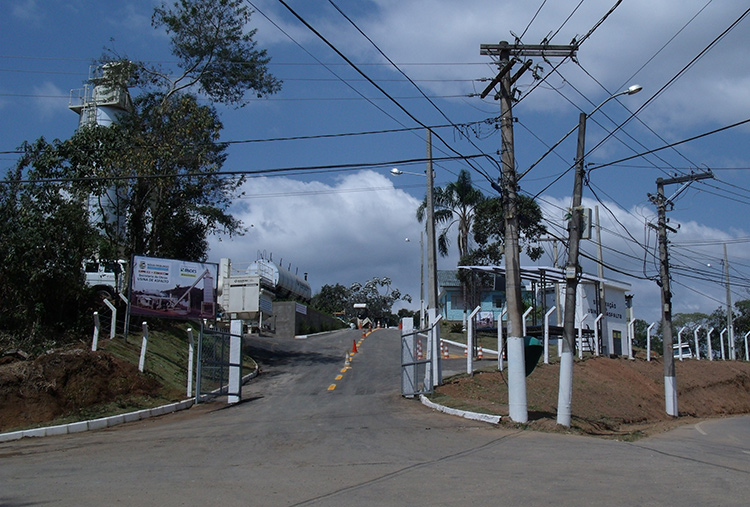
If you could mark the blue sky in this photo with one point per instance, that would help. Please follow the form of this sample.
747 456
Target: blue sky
352 225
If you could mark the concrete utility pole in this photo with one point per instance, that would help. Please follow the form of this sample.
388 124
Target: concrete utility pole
571 284
432 289
661 202
503 51
730 321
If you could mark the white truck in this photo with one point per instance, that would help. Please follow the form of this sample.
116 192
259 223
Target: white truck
106 277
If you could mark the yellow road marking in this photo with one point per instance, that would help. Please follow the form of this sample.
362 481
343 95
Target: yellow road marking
332 387
339 377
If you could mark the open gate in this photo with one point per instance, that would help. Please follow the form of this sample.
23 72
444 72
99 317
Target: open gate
416 371
214 363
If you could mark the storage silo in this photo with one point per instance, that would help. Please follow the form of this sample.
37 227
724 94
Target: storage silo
103 104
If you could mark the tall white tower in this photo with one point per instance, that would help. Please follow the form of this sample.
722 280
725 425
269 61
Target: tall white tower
103 104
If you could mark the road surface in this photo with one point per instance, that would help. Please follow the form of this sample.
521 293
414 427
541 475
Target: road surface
304 436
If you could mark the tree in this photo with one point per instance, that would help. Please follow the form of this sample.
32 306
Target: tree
376 293
454 205
45 237
332 299
160 168
489 232
217 55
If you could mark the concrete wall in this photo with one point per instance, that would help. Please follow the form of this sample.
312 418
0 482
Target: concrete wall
296 318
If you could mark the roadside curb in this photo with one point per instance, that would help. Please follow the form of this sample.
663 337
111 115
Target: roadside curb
475 416
106 422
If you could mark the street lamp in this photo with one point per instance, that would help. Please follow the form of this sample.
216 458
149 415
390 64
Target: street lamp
565 392
432 292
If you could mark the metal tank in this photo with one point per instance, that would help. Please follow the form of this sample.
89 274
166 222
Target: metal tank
284 283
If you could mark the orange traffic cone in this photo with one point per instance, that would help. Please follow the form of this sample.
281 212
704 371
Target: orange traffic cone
480 355
445 351
354 346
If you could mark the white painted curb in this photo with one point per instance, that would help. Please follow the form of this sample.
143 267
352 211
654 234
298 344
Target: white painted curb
97 424
475 416
105 422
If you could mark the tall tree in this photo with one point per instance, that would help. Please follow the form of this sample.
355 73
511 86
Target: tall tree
489 233
454 204
45 237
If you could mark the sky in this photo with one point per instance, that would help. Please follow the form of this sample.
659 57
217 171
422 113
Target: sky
354 221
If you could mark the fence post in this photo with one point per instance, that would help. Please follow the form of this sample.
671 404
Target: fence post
144 344
191 348
679 341
113 318
708 345
695 336
648 341
500 339
721 342
546 334
97 326
596 333
631 335
470 342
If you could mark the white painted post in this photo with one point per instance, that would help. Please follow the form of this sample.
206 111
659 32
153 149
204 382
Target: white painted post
191 351
648 341
679 341
747 353
546 334
97 326
126 320
235 360
144 344
113 318
721 342
596 333
500 340
708 339
525 314
695 336
470 342
580 336
631 332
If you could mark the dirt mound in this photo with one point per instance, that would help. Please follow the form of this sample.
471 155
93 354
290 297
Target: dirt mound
66 383
612 396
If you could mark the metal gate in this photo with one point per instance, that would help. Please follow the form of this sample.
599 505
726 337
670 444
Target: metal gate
416 372
212 377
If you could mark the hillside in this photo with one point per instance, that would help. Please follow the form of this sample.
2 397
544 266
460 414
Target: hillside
611 397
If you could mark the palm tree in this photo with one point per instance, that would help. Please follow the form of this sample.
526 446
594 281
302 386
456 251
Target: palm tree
454 204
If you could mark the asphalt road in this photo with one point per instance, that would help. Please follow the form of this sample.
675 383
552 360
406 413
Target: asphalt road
302 436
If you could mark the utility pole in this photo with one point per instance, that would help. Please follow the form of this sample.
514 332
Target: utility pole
730 322
432 291
517 405
606 338
661 202
572 271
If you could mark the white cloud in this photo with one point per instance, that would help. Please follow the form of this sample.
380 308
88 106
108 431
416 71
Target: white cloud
346 232
48 99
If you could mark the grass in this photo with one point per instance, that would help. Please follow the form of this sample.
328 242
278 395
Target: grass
166 355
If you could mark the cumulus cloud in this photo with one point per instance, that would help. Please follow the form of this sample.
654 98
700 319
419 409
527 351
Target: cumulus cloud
349 231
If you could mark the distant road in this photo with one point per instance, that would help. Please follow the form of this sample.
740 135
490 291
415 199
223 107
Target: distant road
302 436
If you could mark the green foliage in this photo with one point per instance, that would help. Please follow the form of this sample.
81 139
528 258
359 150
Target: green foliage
454 204
489 229
157 172
377 293
214 49
45 237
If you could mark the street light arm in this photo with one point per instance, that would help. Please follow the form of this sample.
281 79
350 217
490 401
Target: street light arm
630 91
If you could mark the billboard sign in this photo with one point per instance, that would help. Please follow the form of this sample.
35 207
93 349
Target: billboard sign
172 288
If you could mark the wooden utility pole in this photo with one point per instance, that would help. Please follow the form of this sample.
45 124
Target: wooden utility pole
661 202
506 55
